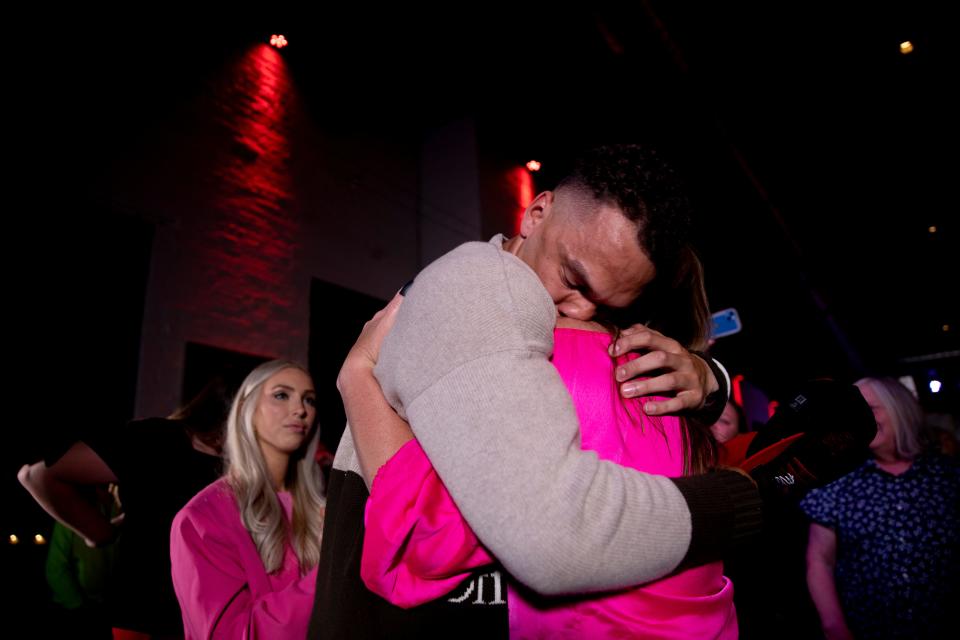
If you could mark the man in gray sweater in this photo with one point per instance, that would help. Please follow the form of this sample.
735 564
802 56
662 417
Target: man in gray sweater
467 365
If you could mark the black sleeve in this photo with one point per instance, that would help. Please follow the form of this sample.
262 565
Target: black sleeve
725 513
57 445
137 444
66 434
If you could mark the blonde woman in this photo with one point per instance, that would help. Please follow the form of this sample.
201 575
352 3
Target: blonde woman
245 549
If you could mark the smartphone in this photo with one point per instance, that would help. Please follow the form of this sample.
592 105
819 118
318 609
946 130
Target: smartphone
725 323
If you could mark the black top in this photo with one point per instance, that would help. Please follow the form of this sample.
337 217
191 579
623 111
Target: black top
345 609
158 471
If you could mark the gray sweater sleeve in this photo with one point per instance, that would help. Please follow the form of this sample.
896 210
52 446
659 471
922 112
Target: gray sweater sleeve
467 364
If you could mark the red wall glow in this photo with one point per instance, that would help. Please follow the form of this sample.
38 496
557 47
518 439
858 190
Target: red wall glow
522 183
772 408
737 391
249 239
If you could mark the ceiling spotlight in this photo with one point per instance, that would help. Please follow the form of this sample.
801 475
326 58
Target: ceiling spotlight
932 229
533 165
906 47
935 386
278 41
39 539
14 539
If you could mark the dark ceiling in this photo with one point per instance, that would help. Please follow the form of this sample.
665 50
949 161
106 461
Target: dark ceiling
818 155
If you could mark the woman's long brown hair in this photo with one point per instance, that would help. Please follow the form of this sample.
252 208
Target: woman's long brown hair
676 306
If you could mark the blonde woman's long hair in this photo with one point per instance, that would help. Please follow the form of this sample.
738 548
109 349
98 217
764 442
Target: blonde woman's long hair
246 471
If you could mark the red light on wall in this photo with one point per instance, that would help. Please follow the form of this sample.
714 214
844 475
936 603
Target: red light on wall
278 41
533 165
522 184
772 408
737 391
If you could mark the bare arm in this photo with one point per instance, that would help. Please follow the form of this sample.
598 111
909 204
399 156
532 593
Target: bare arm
378 432
821 562
57 490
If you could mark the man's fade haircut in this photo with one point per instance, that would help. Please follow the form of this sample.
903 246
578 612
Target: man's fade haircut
648 191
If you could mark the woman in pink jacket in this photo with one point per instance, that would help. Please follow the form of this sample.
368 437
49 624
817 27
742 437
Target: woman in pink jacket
245 549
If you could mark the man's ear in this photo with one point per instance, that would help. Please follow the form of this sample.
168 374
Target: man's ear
536 212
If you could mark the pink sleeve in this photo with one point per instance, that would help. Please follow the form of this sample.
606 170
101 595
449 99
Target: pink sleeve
214 593
417 547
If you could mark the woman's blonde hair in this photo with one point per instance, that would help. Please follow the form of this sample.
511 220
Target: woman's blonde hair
246 471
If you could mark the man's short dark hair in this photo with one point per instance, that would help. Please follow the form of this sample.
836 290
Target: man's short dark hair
646 188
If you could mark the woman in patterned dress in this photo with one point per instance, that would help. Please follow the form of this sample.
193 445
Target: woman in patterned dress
882 558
